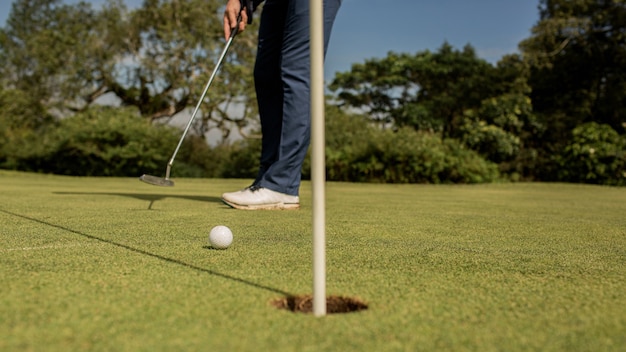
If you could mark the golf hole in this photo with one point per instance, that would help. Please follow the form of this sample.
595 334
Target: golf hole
334 304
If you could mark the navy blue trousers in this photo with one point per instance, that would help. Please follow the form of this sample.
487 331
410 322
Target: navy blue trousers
282 75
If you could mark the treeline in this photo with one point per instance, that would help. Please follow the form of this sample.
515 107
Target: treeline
105 141
554 112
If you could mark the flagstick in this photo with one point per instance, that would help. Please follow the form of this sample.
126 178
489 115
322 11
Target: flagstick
318 173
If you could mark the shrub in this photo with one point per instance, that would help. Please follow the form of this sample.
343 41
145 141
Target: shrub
407 156
20 117
98 142
118 142
356 151
595 154
241 159
490 141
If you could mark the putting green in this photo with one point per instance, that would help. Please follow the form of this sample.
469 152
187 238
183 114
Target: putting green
116 264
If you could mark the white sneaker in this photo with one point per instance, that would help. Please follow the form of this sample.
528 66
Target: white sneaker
255 197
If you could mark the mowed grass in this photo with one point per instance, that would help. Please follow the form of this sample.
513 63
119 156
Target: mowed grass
113 264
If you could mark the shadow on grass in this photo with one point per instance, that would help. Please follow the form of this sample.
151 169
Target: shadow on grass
147 197
153 255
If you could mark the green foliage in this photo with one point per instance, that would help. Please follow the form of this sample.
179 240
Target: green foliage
504 130
156 58
490 140
577 56
239 160
377 86
176 45
192 159
578 53
426 91
118 142
554 113
453 93
19 110
357 151
54 51
20 118
595 154
97 142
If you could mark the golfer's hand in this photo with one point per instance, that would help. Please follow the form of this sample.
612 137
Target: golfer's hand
233 10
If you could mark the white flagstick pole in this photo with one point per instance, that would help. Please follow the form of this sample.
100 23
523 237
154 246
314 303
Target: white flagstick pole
318 164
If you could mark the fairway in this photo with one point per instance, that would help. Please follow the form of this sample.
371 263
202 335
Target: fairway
114 264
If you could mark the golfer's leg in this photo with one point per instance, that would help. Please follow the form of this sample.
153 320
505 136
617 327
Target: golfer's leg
268 82
284 174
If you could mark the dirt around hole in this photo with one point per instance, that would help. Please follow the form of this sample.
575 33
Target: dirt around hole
334 304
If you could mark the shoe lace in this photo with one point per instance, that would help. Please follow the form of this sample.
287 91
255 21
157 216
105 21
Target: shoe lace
254 188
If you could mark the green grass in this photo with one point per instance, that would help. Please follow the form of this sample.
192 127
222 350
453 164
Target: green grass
105 264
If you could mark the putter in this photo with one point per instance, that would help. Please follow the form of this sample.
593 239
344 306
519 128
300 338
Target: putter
166 182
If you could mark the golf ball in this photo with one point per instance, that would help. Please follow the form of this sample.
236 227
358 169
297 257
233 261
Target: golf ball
220 237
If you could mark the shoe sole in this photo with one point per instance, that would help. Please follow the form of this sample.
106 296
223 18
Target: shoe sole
274 206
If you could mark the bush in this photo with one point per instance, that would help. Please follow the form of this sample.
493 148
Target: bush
595 154
98 142
118 142
241 159
491 141
358 152
407 156
194 159
20 117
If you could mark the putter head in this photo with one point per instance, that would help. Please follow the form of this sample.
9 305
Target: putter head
156 181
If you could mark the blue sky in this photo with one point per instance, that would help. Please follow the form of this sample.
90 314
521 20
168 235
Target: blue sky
367 29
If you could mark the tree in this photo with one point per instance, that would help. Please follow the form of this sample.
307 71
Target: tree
156 58
378 86
578 57
20 117
595 154
99 141
47 50
426 91
453 93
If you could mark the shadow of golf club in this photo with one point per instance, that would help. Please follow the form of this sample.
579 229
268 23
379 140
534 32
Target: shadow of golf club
147 197
153 255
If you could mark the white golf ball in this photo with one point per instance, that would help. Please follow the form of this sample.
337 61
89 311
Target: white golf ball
220 237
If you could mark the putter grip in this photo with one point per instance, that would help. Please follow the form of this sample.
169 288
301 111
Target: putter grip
249 5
